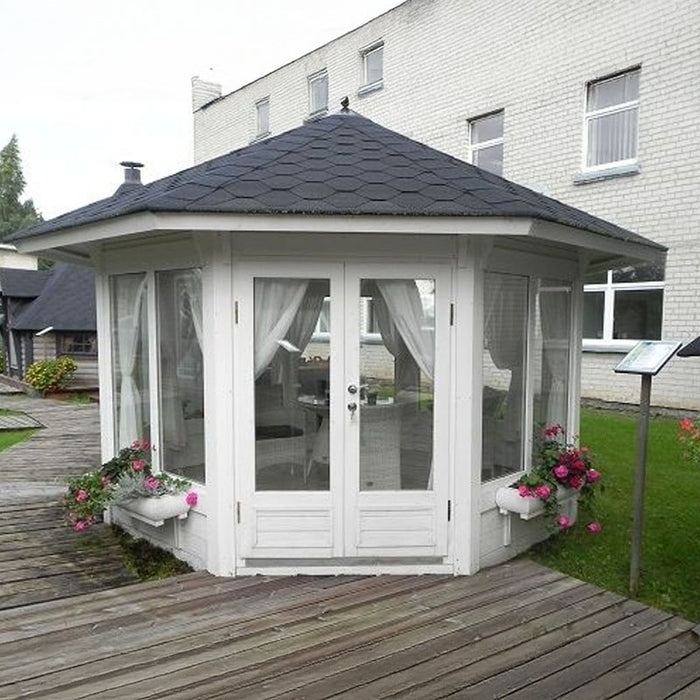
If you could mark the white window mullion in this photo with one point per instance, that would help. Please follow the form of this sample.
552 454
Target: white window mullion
154 370
609 311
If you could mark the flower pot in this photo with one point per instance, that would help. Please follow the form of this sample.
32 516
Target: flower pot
509 500
157 509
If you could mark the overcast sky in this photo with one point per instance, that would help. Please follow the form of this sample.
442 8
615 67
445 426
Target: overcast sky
85 84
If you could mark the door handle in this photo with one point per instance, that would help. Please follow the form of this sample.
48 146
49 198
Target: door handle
352 389
352 407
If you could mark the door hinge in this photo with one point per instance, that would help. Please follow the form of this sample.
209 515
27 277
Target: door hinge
238 512
449 511
452 314
235 312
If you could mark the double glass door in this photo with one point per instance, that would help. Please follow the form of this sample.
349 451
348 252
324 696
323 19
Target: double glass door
342 416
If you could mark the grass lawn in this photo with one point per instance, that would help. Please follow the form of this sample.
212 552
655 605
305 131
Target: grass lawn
12 437
671 546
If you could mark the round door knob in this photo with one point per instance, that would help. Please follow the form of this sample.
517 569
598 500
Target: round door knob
352 389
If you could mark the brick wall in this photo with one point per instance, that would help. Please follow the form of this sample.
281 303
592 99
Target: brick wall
446 61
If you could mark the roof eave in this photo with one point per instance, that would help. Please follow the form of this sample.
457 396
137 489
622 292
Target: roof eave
72 241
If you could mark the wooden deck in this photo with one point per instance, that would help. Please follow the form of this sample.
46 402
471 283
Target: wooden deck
517 630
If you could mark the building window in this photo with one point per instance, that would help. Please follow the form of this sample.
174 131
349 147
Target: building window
486 142
262 117
372 68
318 94
623 306
77 344
611 120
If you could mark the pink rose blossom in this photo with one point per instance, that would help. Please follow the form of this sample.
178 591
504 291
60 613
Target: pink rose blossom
594 527
592 475
543 492
552 431
561 471
576 482
151 483
191 498
564 522
81 526
82 495
141 445
138 465
524 491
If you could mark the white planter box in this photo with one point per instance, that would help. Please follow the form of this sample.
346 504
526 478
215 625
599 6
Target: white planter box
155 511
509 500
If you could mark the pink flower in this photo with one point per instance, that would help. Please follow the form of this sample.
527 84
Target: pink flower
543 492
141 445
686 424
561 471
82 495
191 499
564 522
576 482
524 491
552 431
151 483
106 482
592 475
81 526
138 465
594 527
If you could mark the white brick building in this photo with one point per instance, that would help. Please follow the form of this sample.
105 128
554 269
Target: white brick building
429 68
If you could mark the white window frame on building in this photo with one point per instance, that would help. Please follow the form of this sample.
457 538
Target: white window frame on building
318 94
483 146
608 342
262 118
370 55
614 114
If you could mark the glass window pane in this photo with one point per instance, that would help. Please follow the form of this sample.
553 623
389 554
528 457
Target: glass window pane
319 93
645 272
487 128
593 311
292 390
129 318
374 65
551 360
638 314
179 303
612 137
263 115
596 277
396 385
504 362
613 91
490 158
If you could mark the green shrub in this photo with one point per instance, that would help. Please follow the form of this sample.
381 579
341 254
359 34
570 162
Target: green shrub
50 375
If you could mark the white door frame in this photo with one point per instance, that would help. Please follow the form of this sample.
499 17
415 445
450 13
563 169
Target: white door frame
340 511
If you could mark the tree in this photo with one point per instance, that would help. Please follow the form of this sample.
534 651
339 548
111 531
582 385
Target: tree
14 215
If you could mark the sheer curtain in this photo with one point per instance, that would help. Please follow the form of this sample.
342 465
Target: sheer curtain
555 312
405 308
277 302
129 307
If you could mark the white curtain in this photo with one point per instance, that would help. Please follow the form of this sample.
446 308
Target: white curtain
406 311
193 292
387 328
277 302
555 312
504 328
130 298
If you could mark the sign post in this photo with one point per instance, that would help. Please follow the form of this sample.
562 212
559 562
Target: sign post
646 358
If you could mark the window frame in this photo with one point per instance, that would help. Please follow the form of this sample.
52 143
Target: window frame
368 86
311 81
607 343
475 147
590 115
259 133
62 336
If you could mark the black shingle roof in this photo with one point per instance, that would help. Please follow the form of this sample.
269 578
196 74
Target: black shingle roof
22 284
67 302
344 164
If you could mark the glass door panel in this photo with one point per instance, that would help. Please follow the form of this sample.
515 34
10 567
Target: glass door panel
292 384
397 358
